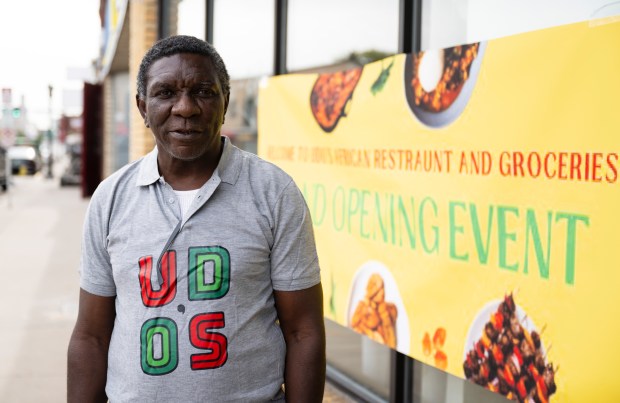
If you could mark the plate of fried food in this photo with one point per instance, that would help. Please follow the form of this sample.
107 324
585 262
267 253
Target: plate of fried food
439 82
376 308
505 354
331 95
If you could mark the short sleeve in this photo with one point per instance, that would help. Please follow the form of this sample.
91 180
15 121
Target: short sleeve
294 260
96 276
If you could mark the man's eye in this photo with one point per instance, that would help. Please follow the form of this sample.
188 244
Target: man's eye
164 93
206 92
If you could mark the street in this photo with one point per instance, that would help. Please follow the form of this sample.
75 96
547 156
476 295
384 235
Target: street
40 229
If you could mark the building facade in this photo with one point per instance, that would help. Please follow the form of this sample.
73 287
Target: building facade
264 38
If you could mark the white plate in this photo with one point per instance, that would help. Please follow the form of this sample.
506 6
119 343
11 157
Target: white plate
450 114
358 291
484 315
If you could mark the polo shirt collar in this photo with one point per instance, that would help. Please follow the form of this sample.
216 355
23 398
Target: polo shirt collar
148 173
228 168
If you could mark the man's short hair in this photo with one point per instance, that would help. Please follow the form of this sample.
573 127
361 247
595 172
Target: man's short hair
176 44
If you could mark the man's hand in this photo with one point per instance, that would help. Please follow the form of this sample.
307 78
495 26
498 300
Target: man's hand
88 349
301 319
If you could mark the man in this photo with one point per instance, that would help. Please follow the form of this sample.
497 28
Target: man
199 274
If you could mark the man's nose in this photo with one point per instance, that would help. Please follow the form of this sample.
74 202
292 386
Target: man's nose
185 105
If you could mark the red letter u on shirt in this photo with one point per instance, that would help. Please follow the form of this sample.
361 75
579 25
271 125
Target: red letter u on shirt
168 290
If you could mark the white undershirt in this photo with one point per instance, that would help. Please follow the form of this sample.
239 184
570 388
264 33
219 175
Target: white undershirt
186 197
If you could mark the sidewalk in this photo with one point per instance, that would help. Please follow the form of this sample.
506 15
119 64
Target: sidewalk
40 226
334 395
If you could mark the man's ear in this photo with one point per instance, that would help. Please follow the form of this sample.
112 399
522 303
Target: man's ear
225 107
142 108
141 105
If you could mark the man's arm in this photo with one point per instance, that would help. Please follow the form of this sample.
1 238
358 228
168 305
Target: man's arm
301 318
88 349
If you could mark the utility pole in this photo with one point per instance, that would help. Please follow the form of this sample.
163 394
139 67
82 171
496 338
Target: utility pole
50 155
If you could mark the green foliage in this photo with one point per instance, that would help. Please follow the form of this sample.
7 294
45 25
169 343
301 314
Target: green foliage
365 57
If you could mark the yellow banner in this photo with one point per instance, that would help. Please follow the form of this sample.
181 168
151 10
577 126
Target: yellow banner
464 203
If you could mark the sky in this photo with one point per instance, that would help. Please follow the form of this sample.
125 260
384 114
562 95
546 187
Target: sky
40 41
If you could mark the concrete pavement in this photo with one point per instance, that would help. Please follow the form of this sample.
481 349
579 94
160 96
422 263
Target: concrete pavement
40 230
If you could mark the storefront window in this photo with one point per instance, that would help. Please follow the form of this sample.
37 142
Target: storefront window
192 18
364 361
324 32
434 385
243 34
120 119
447 23
240 125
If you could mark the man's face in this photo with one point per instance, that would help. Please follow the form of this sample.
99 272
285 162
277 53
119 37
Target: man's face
184 106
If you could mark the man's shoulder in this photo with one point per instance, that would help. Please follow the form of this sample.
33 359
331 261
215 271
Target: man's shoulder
124 177
267 170
269 183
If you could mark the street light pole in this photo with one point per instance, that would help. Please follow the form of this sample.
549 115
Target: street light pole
50 155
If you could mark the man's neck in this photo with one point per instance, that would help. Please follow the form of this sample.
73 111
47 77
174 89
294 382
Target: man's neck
189 175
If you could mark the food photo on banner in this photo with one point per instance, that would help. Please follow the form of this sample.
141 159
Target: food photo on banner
464 202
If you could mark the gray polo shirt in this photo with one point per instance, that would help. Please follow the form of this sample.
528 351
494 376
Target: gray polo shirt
208 333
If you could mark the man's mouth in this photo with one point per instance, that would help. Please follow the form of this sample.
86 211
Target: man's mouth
184 132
